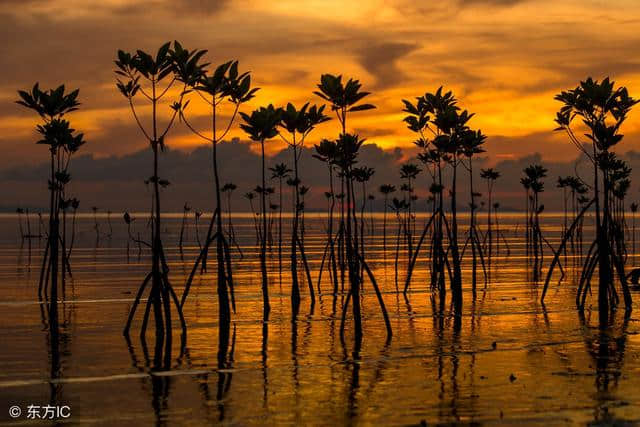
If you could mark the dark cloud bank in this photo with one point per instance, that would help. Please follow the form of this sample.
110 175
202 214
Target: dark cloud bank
116 183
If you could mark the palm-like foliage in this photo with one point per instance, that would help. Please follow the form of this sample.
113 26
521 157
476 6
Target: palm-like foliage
444 138
62 141
343 97
298 123
533 184
152 77
224 86
602 109
261 125
490 175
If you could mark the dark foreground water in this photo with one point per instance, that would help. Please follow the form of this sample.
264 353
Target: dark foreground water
513 361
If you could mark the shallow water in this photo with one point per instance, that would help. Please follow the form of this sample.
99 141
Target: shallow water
513 360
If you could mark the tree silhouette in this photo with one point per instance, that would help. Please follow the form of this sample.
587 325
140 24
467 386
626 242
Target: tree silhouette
344 99
409 172
225 85
362 175
143 74
280 171
533 184
472 144
298 124
444 138
228 189
261 126
490 176
602 108
326 152
399 206
62 141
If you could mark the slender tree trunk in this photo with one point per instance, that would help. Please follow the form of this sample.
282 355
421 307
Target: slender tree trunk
224 309
456 285
263 242
295 286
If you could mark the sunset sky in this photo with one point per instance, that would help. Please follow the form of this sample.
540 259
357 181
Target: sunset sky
504 59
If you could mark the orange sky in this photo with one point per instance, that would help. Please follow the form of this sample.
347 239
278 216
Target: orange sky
504 59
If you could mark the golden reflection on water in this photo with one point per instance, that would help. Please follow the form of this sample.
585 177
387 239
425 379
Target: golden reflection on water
512 360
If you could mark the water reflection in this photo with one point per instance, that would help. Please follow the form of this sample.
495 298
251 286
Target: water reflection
606 347
295 369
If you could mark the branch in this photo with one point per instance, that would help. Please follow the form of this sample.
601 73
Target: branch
186 122
166 89
135 115
233 116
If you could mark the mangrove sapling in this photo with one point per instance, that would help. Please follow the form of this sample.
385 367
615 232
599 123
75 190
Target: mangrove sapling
385 190
280 171
303 191
399 207
490 176
348 146
418 121
63 142
326 152
452 146
362 175
145 75
327 196
472 143
345 98
533 187
261 126
619 182
228 189
602 108
409 172
185 210
224 86
439 114
298 124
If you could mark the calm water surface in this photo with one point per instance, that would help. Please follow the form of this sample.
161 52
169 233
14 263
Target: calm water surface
514 361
